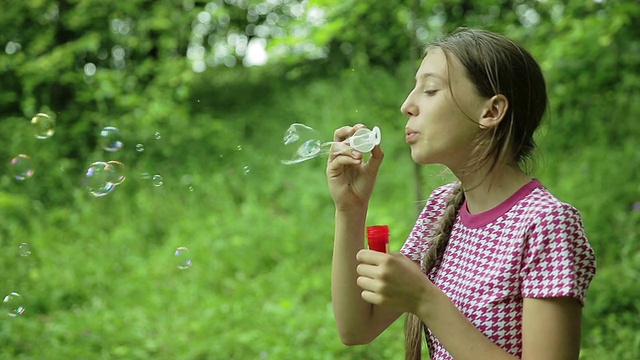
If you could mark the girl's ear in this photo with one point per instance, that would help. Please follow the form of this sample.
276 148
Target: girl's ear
494 111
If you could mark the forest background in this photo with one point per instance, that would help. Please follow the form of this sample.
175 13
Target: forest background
202 94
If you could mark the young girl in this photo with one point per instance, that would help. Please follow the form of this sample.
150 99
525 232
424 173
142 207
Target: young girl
495 267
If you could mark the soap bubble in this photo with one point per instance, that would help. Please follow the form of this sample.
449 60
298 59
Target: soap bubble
302 143
110 139
13 304
157 180
183 257
21 167
99 179
43 126
102 177
246 169
157 135
24 249
139 147
117 170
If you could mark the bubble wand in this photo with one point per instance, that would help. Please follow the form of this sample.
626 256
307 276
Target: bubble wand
306 145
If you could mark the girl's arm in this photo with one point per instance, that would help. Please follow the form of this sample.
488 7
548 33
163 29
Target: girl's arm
358 321
550 329
351 181
550 326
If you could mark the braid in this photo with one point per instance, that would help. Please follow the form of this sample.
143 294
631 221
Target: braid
441 239
413 325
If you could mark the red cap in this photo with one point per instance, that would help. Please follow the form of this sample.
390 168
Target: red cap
378 238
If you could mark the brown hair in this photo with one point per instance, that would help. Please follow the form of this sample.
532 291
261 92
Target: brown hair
495 65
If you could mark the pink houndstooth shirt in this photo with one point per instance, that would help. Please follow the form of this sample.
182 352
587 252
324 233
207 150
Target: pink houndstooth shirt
530 246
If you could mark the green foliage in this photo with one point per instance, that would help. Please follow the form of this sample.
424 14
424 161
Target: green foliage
102 281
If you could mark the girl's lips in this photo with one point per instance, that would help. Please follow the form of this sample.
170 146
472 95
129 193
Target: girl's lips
410 136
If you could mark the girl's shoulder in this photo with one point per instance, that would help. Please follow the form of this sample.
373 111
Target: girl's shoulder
542 203
443 192
434 206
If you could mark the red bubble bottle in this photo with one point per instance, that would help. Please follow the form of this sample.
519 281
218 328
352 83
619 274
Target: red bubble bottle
378 238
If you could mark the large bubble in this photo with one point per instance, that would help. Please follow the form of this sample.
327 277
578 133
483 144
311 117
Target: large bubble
302 143
98 179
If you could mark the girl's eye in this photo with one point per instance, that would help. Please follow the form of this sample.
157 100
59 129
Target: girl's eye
430 92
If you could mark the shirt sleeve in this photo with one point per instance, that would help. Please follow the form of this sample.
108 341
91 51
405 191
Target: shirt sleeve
426 225
557 258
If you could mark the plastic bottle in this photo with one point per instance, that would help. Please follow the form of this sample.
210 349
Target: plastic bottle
378 238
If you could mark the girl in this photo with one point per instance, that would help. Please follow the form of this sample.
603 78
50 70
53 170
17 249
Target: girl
495 267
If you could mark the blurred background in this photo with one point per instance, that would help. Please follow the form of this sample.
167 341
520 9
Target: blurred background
189 239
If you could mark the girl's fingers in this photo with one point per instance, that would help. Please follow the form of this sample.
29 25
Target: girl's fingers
341 134
336 147
337 164
367 270
371 297
376 159
366 283
341 150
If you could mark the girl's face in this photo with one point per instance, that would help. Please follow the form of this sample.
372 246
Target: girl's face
442 110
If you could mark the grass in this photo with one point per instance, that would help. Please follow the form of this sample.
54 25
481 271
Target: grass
102 281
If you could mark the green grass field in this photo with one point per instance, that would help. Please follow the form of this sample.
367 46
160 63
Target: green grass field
102 280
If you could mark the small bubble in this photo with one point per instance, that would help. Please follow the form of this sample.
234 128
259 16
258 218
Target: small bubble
12 47
98 179
43 126
21 167
90 69
183 258
191 188
157 180
157 135
247 170
24 249
110 139
139 147
239 147
13 304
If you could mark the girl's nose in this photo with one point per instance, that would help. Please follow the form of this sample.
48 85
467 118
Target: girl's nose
409 108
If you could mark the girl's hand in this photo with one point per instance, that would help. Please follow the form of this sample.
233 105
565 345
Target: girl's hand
393 281
350 178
